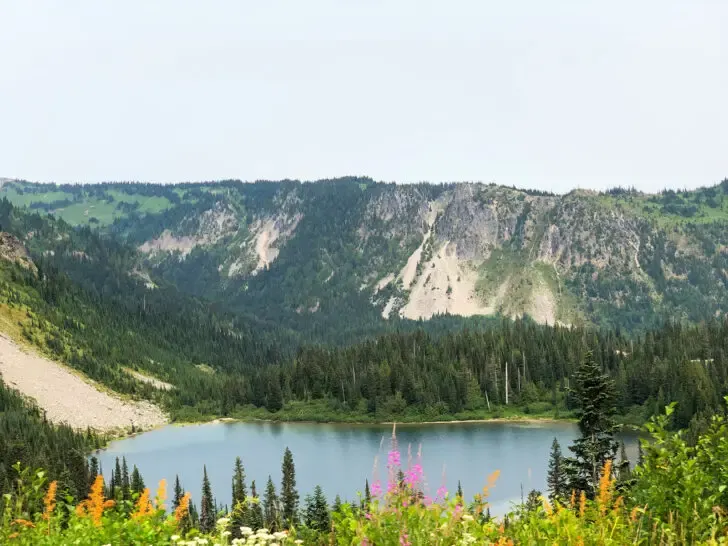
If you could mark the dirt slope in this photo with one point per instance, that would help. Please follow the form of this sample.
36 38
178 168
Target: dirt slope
68 398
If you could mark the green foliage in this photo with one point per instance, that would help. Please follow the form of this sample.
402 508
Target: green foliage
289 494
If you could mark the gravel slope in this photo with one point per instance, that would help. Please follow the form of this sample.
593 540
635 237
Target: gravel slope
68 398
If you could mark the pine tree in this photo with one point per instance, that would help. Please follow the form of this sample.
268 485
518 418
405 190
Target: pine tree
336 507
289 495
125 483
557 478
460 492
178 492
240 492
367 501
594 396
308 510
137 483
207 505
270 506
111 490
320 520
533 501
255 518
93 468
116 479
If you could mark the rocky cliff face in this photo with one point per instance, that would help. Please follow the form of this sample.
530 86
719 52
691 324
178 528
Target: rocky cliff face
422 250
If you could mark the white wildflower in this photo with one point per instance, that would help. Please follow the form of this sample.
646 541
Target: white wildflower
174 538
298 541
467 517
225 534
280 534
245 531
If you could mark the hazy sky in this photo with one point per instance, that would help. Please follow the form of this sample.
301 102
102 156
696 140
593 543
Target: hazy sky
551 95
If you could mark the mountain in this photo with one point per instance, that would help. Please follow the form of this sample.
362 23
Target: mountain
351 255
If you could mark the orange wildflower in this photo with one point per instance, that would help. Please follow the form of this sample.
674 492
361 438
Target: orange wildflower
50 500
23 522
181 511
13 535
572 502
95 504
161 494
143 506
617 505
605 487
582 504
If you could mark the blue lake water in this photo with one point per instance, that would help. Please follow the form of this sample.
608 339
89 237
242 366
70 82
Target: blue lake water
339 457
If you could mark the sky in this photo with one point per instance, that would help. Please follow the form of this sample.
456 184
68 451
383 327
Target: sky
547 95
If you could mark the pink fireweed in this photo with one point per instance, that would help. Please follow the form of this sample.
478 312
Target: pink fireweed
441 492
404 540
376 489
393 459
413 475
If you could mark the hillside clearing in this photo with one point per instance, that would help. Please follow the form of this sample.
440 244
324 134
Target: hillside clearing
66 397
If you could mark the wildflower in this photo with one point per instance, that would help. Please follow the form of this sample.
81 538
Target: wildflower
404 540
376 489
441 492
298 541
161 494
572 502
427 500
393 459
223 522
280 535
143 506
413 475
467 517
23 522
582 504
605 487
50 500
183 509
95 504
368 515
246 531
225 534
174 538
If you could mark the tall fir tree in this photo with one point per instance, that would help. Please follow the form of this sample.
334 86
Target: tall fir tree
207 505
255 519
94 469
367 500
178 492
557 479
320 518
125 482
271 511
336 507
289 495
239 494
595 398
116 478
137 482
460 493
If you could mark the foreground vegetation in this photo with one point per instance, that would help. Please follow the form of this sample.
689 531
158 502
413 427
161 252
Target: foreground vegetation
676 495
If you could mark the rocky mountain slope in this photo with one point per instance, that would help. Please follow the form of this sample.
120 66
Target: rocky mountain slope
317 252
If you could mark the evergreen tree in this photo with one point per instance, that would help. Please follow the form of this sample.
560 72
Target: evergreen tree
116 479
207 505
255 519
289 495
111 493
533 501
270 506
594 397
336 507
240 492
320 517
367 501
308 510
557 477
460 492
178 492
137 483
93 470
125 483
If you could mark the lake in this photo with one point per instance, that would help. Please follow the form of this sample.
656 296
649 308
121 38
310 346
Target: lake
339 457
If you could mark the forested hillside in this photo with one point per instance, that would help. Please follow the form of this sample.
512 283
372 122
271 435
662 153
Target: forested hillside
339 260
83 304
